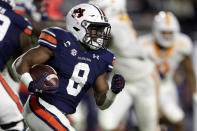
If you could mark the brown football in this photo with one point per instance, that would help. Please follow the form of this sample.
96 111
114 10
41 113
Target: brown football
37 71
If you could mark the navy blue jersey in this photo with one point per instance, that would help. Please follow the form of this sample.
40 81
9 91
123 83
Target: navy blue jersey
77 70
11 26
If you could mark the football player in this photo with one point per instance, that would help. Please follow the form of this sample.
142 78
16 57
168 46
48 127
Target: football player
27 7
168 48
30 10
141 79
13 30
81 61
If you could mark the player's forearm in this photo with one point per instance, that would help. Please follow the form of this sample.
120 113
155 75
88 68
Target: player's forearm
191 82
21 70
20 66
16 68
190 75
108 100
190 78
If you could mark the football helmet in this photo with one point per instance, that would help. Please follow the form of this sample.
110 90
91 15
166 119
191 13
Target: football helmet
165 28
10 2
111 7
89 25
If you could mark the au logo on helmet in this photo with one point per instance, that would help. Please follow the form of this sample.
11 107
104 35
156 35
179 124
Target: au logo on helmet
78 13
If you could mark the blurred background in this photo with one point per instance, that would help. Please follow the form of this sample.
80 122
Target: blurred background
141 13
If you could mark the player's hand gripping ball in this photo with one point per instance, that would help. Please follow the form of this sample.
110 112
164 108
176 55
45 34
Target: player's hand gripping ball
45 79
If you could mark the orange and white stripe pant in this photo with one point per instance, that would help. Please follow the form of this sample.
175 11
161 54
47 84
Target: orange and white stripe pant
42 116
11 108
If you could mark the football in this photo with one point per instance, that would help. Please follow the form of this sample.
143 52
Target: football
37 71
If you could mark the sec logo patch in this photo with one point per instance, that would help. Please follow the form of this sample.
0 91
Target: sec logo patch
73 52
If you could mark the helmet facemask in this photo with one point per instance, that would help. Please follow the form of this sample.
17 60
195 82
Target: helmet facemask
165 38
96 34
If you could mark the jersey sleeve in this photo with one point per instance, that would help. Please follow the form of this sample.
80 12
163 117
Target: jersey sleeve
185 44
22 22
27 28
110 60
24 7
48 38
111 64
20 9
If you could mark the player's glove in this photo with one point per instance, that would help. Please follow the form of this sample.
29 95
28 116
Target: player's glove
38 86
117 83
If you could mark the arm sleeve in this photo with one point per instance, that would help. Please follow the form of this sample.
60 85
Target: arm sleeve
111 60
106 61
48 38
22 23
110 65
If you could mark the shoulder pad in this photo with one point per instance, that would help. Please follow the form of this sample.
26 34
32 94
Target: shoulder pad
184 43
58 32
50 36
